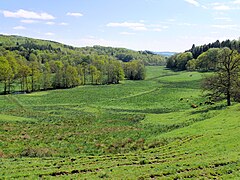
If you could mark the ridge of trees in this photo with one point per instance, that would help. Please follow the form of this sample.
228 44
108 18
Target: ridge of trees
31 65
202 57
198 50
26 45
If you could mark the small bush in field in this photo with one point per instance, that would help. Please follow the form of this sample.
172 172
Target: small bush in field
1 154
37 152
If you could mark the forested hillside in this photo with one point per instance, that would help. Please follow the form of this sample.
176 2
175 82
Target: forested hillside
198 50
29 65
55 50
202 57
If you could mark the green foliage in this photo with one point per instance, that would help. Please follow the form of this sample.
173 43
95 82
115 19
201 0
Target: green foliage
49 50
225 82
115 72
224 62
134 70
208 61
198 50
204 58
47 83
6 73
71 74
191 65
42 65
126 55
179 61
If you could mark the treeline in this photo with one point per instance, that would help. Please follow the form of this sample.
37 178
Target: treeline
126 55
201 58
41 67
198 50
55 51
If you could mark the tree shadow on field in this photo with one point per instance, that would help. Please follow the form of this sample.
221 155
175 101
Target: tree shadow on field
148 111
194 84
216 107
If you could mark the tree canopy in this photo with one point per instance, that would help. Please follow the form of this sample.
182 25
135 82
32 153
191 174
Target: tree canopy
202 58
225 82
40 65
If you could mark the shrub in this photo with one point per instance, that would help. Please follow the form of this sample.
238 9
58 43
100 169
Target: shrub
37 152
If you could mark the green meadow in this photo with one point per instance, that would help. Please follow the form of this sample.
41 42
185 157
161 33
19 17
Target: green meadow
132 130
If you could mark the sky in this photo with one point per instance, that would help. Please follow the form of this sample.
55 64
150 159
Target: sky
155 25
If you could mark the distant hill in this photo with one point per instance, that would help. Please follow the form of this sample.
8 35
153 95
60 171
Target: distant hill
53 65
165 54
25 46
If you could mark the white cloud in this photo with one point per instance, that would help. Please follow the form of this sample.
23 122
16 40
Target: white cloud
236 2
29 21
127 33
222 7
171 20
232 5
63 24
49 34
19 28
193 2
75 14
125 24
158 26
136 26
157 29
28 15
225 26
223 19
132 26
7 34
139 28
50 23
185 24
214 32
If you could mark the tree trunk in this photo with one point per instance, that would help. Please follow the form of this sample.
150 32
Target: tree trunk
32 84
22 84
5 87
84 76
9 86
228 99
229 84
27 84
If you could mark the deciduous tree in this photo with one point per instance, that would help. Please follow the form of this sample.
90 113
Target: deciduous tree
5 72
225 82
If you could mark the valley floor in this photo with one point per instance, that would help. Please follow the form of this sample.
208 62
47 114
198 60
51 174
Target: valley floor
134 130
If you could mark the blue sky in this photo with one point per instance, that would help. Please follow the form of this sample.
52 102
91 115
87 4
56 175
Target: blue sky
157 25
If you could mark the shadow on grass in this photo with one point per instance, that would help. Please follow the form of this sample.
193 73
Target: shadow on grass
210 108
145 111
194 84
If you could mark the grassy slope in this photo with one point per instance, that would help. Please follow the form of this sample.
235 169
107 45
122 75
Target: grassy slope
133 130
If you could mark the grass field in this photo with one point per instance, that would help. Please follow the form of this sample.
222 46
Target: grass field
133 130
